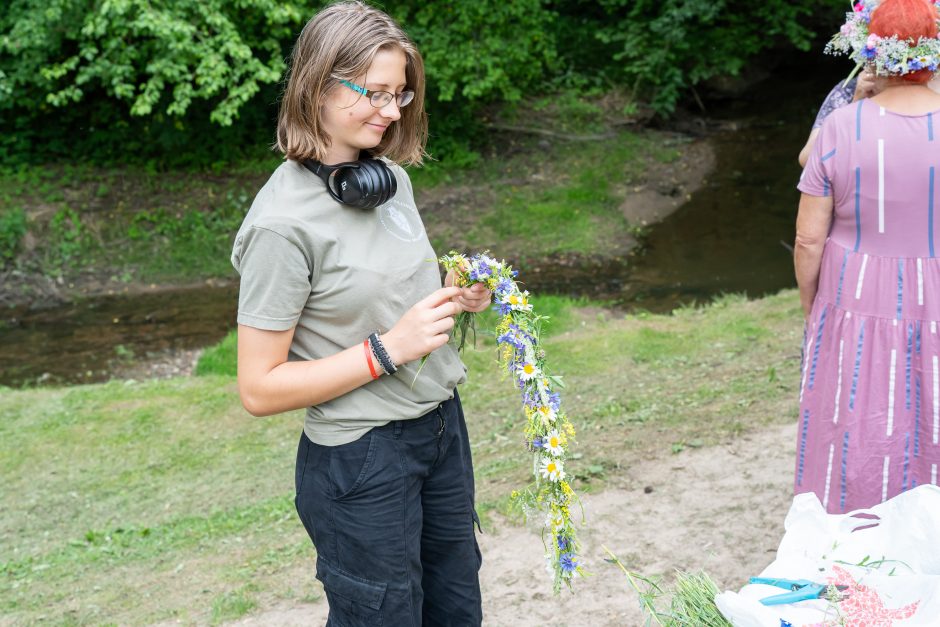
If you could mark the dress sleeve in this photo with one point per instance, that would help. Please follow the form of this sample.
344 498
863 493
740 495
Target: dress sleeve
818 174
839 96
275 280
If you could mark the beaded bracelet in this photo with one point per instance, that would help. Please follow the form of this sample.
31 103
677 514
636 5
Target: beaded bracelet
378 349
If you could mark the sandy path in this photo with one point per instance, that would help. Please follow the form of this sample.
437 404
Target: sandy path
720 508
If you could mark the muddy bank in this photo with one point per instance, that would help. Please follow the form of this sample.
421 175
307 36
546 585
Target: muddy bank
448 211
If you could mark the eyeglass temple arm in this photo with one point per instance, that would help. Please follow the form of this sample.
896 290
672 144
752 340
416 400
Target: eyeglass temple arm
355 88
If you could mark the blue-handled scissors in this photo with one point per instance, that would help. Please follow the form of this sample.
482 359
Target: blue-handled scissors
799 590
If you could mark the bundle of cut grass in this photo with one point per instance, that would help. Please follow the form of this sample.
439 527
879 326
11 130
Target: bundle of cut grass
692 604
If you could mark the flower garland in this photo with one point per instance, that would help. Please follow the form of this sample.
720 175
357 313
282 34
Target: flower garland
548 433
885 56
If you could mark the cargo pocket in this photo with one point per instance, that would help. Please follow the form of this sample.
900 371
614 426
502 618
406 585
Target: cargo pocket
354 602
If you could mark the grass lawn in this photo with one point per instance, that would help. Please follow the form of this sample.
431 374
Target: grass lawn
133 503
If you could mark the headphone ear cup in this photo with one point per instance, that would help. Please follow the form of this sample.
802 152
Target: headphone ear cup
378 183
391 183
365 184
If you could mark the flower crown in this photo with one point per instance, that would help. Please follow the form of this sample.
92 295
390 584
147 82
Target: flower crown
885 56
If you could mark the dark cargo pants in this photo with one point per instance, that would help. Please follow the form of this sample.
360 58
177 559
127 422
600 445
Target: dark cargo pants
392 518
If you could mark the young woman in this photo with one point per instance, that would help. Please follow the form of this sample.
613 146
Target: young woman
337 307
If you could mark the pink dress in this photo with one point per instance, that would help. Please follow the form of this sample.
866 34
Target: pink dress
869 420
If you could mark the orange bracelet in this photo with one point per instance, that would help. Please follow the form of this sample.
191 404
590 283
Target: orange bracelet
365 345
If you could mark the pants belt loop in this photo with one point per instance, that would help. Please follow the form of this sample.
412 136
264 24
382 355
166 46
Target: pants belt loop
396 431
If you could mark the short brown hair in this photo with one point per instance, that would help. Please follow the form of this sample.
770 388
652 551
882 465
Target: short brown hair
340 43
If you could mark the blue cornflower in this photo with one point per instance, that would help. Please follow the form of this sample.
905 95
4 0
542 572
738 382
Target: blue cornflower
537 442
511 337
502 308
503 286
915 64
568 563
869 53
562 543
479 271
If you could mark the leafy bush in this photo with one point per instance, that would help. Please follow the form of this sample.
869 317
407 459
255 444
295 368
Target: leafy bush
164 82
12 230
662 47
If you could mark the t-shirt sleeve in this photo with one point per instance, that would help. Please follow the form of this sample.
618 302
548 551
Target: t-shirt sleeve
275 280
817 176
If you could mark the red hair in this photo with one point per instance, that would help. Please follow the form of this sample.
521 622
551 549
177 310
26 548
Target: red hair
906 19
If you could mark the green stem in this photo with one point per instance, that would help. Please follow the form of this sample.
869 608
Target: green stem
645 601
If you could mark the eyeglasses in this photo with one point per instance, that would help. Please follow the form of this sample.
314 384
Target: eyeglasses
379 99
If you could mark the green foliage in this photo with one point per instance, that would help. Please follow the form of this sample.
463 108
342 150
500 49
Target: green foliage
667 46
195 82
68 239
12 230
184 244
220 359
481 51
152 55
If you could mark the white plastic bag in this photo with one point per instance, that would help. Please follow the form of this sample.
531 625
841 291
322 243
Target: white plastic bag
889 556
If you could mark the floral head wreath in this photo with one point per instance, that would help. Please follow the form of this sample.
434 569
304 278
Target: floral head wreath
884 56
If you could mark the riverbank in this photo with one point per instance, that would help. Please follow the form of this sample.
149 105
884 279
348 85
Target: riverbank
88 232
123 520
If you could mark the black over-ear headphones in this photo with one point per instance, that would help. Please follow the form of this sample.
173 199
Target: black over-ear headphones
366 183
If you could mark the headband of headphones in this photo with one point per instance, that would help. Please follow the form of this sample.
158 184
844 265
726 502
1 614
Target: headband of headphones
366 183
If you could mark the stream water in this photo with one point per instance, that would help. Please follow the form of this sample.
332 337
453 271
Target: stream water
730 237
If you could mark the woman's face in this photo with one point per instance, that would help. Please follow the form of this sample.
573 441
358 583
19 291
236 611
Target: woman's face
352 123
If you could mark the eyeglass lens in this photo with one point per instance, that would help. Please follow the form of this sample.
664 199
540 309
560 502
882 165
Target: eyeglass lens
381 98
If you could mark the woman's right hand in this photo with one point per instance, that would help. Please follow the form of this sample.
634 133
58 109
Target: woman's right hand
424 328
868 85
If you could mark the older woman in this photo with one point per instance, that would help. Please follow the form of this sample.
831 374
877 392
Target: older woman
869 421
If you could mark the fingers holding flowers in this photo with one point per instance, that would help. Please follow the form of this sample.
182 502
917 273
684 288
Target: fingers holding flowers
475 298
425 327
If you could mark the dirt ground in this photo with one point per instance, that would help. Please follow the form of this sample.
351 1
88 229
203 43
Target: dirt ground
720 509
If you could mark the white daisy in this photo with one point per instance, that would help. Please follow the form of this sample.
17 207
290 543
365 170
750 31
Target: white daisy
547 414
527 371
552 469
552 443
519 301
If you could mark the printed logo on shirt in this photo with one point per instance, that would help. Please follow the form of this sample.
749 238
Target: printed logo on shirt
401 220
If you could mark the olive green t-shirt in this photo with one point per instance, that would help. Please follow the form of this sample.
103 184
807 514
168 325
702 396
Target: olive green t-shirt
335 274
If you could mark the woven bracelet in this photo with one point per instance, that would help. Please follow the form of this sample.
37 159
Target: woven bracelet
381 354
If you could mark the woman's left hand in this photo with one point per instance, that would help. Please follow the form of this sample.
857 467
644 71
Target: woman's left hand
475 298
